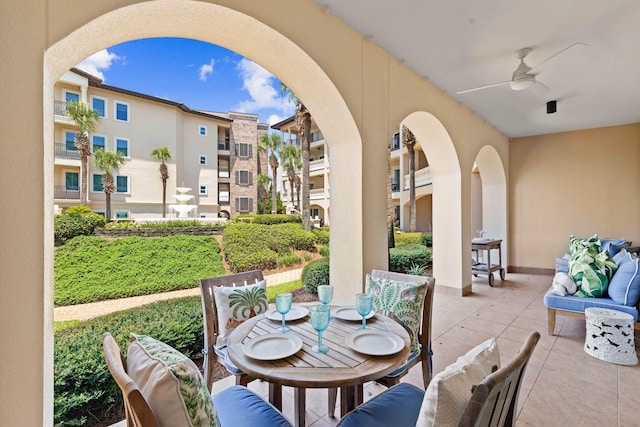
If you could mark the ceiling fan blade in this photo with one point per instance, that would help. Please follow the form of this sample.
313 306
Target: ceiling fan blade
555 58
483 87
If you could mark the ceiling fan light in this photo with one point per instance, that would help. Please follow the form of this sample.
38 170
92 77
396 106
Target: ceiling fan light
522 82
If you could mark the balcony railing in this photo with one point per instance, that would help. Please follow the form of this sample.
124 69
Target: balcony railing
61 150
223 146
223 174
395 187
423 177
61 192
223 197
60 108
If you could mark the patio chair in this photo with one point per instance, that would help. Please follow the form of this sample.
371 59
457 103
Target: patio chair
424 337
493 402
212 328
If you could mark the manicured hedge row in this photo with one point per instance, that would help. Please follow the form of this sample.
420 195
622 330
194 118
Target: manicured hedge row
85 392
269 219
405 257
256 246
78 221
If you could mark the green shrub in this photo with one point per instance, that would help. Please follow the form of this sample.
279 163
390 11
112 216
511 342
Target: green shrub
324 250
260 259
270 219
322 235
314 274
426 239
178 223
78 222
90 268
403 258
402 239
288 260
84 391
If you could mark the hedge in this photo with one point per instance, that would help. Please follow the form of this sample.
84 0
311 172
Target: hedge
402 239
76 222
314 274
85 392
269 219
404 258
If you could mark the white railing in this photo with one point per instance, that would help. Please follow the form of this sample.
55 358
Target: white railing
423 177
223 196
223 174
316 194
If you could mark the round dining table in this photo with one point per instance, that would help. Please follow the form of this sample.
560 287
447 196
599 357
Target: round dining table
342 367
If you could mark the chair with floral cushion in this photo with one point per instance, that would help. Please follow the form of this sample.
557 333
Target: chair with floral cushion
414 296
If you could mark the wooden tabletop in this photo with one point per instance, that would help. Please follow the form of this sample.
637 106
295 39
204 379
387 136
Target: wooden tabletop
340 367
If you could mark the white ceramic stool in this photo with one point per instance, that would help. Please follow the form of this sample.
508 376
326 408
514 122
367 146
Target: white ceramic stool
610 336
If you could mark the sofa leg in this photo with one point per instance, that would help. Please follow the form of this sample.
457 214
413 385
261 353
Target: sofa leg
551 316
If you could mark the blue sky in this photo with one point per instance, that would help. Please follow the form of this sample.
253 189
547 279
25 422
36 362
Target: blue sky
200 75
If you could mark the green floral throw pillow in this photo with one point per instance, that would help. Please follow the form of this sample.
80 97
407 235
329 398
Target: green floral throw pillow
401 301
590 268
171 383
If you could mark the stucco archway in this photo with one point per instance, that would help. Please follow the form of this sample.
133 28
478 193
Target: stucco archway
451 259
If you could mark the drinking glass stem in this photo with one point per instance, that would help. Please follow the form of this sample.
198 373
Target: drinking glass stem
283 316
364 322
319 340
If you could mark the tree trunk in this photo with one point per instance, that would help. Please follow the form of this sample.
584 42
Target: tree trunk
390 235
304 129
83 179
274 194
412 189
164 198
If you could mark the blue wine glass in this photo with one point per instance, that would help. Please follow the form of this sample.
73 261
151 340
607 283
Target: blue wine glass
320 315
325 294
283 305
364 305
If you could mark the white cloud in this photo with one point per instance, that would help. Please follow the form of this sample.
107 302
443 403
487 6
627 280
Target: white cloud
101 60
260 85
206 69
275 118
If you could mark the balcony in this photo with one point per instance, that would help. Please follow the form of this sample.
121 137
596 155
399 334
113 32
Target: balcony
62 192
316 165
223 197
223 174
59 108
223 146
395 187
316 194
62 150
423 177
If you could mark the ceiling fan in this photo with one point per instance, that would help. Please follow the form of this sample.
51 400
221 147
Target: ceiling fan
524 76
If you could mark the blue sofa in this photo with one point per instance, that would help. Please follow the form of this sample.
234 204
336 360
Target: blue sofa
575 306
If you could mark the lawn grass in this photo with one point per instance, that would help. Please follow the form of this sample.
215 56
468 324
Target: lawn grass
283 287
89 268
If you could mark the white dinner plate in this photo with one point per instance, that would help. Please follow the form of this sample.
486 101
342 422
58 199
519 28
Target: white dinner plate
349 313
296 312
272 346
375 343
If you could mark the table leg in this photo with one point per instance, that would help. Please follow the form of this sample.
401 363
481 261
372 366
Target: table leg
299 402
350 398
275 395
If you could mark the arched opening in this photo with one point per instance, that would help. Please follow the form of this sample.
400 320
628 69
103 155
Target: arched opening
252 39
451 260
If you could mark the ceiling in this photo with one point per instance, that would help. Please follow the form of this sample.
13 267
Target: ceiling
461 44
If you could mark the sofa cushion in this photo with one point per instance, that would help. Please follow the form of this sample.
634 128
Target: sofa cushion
234 305
624 287
613 246
239 406
171 383
404 398
402 301
450 390
578 304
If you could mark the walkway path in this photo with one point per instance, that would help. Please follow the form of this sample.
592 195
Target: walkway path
96 309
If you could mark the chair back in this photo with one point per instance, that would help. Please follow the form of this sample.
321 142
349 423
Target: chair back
495 400
137 410
210 317
427 309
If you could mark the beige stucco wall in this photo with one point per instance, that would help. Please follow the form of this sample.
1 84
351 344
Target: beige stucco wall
581 183
357 93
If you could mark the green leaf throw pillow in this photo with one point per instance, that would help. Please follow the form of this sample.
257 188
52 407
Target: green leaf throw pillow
401 301
171 383
589 267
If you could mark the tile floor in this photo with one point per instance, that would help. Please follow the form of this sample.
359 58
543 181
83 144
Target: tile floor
563 385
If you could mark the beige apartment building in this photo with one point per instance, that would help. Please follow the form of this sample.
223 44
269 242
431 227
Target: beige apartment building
214 155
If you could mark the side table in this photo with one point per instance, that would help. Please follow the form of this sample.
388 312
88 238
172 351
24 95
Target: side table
610 336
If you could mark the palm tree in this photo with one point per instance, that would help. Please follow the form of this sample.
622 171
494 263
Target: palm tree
409 141
303 120
271 143
262 182
390 234
248 301
86 119
291 161
163 154
108 162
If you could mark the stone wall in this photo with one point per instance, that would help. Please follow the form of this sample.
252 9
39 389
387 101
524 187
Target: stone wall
158 232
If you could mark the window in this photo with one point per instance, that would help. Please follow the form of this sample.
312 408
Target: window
99 105
98 142
121 111
96 182
69 137
202 130
122 184
395 142
203 159
244 204
314 212
244 177
71 181
122 146
71 97
243 149
395 182
312 186
122 214
203 189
